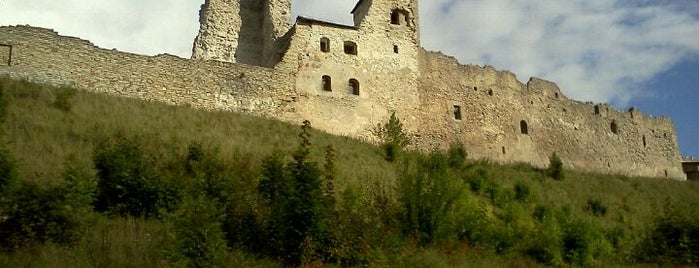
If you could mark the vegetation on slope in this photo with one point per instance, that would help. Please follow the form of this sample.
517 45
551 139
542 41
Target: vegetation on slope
90 180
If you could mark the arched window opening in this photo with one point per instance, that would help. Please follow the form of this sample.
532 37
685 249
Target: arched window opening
645 144
614 127
354 86
398 17
350 48
327 83
325 44
457 112
523 127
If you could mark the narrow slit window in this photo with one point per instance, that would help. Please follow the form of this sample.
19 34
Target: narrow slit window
354 86
523 127
325 44
457 112
327 83
395 49
350 48
596 109
503 150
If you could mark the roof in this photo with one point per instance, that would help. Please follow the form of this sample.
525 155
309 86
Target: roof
301 19
357 6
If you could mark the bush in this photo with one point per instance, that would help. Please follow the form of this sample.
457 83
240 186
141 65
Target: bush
596 207
126 185
673 239
457 155
393 137
8 171
555 169
63 100
198 238
426 192
33 214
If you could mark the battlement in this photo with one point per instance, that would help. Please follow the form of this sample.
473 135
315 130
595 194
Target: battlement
346 79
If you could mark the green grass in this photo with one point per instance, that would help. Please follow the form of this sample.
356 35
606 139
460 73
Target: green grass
47 129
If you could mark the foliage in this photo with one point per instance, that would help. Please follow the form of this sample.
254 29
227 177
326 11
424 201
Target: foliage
34 214
126 185
596 207
63 100
198 238
555 169
8 172
393 138
457 155
426 194
673 238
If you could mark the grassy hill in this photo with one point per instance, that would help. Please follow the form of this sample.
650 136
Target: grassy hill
208 176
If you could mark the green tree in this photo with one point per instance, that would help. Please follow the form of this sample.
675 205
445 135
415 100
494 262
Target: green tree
393 138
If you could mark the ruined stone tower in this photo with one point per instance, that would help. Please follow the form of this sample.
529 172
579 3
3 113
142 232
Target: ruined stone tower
241 31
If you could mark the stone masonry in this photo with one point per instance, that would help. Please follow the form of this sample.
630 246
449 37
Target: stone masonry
346 79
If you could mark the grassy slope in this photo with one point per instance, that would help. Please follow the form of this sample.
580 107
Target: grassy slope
45 136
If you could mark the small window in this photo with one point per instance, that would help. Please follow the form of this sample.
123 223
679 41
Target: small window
327 83
399 16
5 55
556 95
325 44
350 48
596 109
354 86
523 127
457 112
614 127
503 150
490 92
395 49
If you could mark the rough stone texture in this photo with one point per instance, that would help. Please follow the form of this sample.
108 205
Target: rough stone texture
5 51
427 90
242 31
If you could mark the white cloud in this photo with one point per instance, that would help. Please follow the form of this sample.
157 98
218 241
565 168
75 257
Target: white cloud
594 49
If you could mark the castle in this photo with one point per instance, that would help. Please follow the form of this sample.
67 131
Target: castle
346 79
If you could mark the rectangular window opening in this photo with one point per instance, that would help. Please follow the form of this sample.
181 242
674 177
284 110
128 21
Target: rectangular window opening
350 48
395 49
457 112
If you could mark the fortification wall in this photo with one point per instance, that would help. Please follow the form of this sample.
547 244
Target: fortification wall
42 55
493 104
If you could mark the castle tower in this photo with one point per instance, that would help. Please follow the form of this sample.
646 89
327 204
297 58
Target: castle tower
242 31
369 13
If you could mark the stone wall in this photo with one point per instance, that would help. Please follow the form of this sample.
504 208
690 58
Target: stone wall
439 100
42 55
493 104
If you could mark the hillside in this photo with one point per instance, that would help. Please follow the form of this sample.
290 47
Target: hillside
215 188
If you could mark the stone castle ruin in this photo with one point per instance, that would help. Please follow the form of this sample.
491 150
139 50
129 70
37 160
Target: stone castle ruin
346 79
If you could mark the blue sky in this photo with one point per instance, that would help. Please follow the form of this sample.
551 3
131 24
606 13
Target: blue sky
642 53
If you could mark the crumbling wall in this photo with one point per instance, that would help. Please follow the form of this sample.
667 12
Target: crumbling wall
494 104
42 55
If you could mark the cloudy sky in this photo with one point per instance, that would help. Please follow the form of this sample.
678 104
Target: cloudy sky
643 53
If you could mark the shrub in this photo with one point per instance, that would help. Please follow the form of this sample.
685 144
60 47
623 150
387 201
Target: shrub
555 169
126 184
63 100
8 171
34 214
426 192
596 207
457 155
523 193
393 137
673 239
198 238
